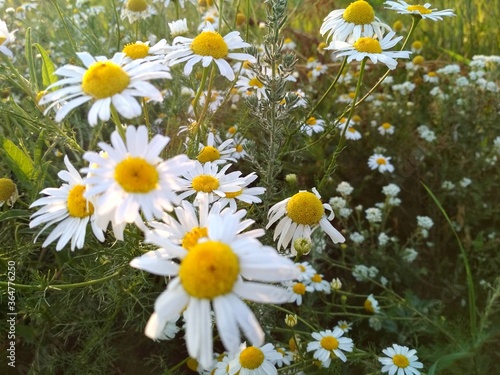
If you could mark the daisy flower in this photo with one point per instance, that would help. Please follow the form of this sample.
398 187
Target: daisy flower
250 84
424 11
114 82
349 24
352 134
133 179
8 192
344 325
213 274
6 37
330 343
299 216
371 305
254 360
142 50
400 359
297 291
178 27
209 46
216 155
386 128
374 49
286 357
68 207
313 125
380 162
306 271
245 194
136 10
318 284
205 180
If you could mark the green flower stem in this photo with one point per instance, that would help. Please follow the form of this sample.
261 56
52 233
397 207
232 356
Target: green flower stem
118 34
146 114
118 123
200 90
340 146
5 284
292 313
63 20
23 82
208 97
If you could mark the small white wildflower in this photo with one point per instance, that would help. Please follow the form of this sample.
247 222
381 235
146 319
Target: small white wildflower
345 212
383 239
345 188
448 185
391 190
373 215
409 254
464 182
424 222
363 273
357 238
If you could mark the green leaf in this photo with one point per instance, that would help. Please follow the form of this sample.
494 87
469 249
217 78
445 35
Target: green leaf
12 214
446 361
48 67
456 56
38 152
28 51
22 161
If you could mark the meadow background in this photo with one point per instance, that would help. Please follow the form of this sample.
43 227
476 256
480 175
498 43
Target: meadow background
437 286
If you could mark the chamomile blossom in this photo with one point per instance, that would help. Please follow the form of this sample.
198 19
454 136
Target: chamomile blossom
6 38
239 144
8 192
216 154
209 46
368 47
107 82
319 284
306 271
313 125
424 11
330 343
299 216
178 27
248 83
142 50
255 360
381 163
297 290
246 195
401 360
133 179
371 305
386 128
212 276
136 10
67 207
349 24
344 325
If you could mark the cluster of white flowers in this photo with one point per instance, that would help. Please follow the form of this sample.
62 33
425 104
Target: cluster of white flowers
373 215
426 134
364 273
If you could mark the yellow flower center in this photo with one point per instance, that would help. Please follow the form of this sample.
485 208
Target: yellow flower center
386 125
104 79
301 268
368 306
251 358
233 194
417 44
305 208
210 43
359 13
432 74
210 269
381 161
7 189
191 238
311 121
418 60
239 148
299 288
400 360
78 206
247 64
292 344
254 82
205 183
419 8
208 153
137 5
240 19
288 40
329 343
397 26
136 50
3 38
192 364
356 118
350 129
232 130
136 175
368 45
316 278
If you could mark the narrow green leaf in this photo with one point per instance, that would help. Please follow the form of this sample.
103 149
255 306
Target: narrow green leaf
48 67
11 214
446 361
28 51
38 152
20 159
456 56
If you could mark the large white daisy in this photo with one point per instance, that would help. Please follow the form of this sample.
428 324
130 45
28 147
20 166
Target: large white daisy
67 207
254 360
209 46
349 24
115 82
368 47
6 38
213 274
400 360
330 343
424 11
299 216
132 178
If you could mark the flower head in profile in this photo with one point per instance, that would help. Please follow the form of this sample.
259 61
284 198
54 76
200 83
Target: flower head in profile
216 154
400 360
371 305
136 10
6 38
255 360
381 163
133 179
178 27
349 24
107 82
424 11
67 207
209 46
8 192
142 50
299 216
213 275
368 47
330 344
313 125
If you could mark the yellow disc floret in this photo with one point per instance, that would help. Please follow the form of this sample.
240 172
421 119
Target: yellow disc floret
255 82
78 206
368 45
329 343
209 270
191 238
233 194
369 306
137 5
359 13
136 50
400 360
381 161
419 8
299 288
311 121
210 43
136 175
305 208
205 183
251 358
208 153
316 278
104 79
7 189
